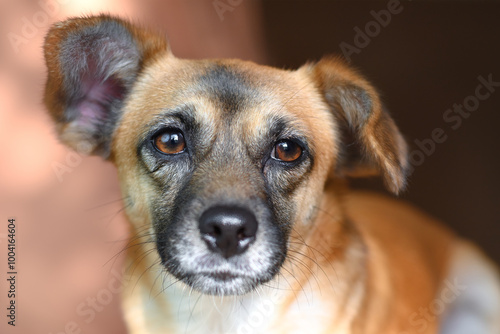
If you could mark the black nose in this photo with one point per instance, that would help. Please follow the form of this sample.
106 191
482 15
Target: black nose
228 230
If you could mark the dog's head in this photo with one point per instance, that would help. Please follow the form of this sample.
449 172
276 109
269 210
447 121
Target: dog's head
219 158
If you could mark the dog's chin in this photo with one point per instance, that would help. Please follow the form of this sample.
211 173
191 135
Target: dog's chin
222 283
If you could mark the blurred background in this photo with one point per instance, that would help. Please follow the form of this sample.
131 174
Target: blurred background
424 58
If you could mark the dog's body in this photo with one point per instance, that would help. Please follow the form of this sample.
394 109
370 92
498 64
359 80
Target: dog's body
348 286
233 179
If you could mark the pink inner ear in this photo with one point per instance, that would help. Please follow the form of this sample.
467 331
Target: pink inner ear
98 95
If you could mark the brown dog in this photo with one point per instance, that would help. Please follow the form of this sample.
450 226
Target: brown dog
233 176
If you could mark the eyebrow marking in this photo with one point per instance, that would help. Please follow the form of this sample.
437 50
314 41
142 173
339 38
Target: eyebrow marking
184 114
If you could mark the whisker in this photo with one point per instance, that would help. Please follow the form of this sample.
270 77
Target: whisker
299 261
160 272
286 280
165 289
315 260
155 263
127 247
104 204
191 313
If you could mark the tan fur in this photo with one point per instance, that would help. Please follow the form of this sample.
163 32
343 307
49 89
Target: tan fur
358 263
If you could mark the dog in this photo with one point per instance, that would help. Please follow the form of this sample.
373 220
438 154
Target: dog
235 182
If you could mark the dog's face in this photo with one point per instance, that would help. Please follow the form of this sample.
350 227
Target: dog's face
218 160
226 160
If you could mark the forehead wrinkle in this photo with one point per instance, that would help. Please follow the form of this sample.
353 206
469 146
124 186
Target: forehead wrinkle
231 87
215 127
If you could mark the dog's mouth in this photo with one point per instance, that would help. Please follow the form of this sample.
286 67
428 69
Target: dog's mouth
222 276
222 282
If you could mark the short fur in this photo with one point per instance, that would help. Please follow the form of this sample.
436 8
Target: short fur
325 259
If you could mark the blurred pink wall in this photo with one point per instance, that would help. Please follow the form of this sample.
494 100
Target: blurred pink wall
70 227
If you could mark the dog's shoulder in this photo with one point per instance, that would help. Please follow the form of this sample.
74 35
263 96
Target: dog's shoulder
408 254
396 223
476 278
425 267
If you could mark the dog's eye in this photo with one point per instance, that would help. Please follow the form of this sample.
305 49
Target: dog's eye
170 141
286 150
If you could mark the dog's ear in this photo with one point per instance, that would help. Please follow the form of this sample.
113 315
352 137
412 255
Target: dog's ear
92 64
370 140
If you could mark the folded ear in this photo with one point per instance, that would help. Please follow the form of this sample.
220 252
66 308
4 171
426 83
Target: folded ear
371 142
92 64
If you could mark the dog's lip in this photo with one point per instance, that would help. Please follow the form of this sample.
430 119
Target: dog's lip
222 275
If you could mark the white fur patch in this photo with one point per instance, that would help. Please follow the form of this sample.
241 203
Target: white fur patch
477 309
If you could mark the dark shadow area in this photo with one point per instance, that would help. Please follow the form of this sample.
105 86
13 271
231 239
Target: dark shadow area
425 60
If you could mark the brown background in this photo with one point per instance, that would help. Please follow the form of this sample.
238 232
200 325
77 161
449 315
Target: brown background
424 61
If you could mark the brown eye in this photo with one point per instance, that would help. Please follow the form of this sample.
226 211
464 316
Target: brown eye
287 150
170 142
